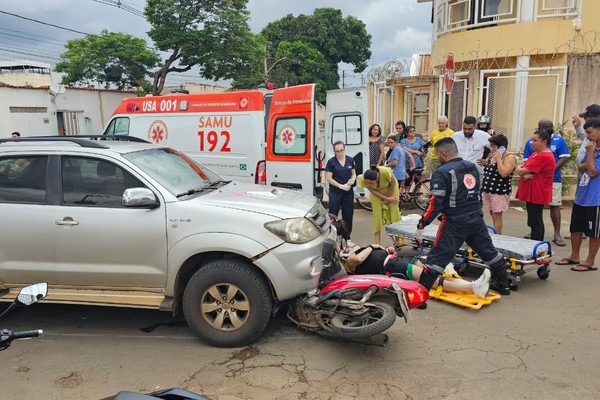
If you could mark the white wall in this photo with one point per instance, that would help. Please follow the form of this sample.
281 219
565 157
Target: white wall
96 107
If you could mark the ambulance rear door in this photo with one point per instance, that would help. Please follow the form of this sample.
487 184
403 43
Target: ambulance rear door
347 119
291 140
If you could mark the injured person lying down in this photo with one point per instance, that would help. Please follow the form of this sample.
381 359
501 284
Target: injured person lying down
375 259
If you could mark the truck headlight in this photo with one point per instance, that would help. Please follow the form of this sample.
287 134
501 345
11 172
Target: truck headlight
294 230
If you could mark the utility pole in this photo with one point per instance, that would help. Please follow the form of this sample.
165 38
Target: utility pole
266 70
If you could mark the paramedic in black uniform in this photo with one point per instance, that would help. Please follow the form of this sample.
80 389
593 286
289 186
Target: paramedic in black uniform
455 188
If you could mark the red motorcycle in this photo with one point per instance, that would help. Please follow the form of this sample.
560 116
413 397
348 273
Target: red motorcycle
355 307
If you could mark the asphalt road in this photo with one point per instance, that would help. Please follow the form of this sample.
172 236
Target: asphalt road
541 342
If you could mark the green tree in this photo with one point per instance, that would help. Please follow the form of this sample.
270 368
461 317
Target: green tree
314 45
112 58
211 34
302 63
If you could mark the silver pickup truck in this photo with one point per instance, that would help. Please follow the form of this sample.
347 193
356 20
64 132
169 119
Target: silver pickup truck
122 223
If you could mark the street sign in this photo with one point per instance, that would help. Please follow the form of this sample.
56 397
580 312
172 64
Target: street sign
449 74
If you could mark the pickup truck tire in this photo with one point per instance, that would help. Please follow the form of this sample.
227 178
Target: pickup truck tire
227 303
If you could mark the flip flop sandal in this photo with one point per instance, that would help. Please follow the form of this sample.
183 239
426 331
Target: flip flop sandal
583 268
560 243
566 261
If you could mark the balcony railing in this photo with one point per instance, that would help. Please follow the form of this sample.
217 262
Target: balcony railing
456 15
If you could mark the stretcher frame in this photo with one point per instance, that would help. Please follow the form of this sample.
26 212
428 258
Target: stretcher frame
521 255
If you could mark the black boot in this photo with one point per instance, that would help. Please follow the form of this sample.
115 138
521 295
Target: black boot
499 281
500 287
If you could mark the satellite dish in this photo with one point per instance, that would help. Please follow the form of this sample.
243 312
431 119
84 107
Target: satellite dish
56 89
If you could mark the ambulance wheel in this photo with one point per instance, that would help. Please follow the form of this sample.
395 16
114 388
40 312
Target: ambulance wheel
543 272
513 283
364 204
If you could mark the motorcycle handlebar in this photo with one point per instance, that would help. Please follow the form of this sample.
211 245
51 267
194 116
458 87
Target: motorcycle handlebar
27 334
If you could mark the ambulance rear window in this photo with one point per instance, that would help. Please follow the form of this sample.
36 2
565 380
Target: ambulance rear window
347 129
118 126
290 136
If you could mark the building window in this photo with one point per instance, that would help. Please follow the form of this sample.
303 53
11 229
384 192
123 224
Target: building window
441 17
28 109
556 8
494 9
459 13
553 5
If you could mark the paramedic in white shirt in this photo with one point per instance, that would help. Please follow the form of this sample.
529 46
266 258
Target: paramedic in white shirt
472 144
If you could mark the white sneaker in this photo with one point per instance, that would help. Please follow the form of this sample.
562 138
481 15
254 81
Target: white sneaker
481 286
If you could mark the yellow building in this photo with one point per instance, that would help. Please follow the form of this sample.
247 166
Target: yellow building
515 60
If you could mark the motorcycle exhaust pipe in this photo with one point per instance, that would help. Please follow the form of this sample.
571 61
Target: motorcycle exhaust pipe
378 340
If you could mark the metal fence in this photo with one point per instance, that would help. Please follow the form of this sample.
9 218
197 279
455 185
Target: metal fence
517 100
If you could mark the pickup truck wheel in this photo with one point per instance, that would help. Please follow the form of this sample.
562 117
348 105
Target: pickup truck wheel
227 303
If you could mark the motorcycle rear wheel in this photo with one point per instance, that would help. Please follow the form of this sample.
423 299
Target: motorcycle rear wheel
381 316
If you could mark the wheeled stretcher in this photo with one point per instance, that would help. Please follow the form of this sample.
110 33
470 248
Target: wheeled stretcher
521 255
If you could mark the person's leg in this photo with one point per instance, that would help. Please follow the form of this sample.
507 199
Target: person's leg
407 184
400 194
479 287
556 220
593 233
535 220
497 218
499 204
378 238
377 212
348 209
335 200
480 241
433 165
576 228
576 239
592 252
448 240
555 212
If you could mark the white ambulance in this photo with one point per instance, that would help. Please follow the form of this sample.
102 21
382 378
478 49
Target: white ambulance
253 136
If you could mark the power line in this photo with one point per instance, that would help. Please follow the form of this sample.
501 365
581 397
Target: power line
31 34
43 23
26 38
29 54
39 51
121 5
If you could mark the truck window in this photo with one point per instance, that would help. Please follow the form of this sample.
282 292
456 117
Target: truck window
347 129
118 126
23 180
89 182
290 136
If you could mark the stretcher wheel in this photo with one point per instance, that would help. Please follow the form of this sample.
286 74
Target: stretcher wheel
513 282
543 272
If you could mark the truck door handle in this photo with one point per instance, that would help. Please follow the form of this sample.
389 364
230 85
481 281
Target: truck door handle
67 221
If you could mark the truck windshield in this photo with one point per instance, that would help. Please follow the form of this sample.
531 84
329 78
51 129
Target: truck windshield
173 170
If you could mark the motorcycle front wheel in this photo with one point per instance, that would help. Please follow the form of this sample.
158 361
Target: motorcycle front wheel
378 318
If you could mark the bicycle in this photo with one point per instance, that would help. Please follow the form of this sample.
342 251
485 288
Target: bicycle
418 193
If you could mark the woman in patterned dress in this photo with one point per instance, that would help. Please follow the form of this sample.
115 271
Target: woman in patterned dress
497 180
376 151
